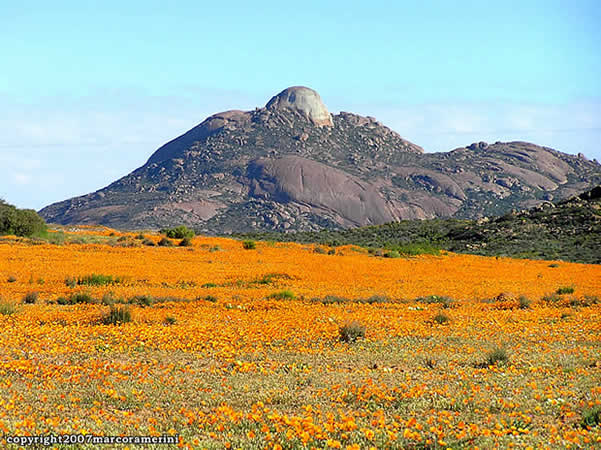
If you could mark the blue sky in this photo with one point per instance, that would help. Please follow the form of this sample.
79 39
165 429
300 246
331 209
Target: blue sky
88 90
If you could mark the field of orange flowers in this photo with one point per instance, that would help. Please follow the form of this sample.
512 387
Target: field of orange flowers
241 348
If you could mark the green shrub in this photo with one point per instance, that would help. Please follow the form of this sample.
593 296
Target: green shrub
140 237
108 299
350 332
551 298
591 417
496 356
441 318
282 295
376 299
62 300
93 280
208 285
30 298
179 232
524 302
165 242
81 297
186 242
320 250
331 299
20 222
148 242
170 320
7 308
392 254
249 245
142 300
11 279
117 316
445 302
414 249
211 298
565 290
332 251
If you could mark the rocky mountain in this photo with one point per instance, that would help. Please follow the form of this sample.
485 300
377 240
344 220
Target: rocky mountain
292 165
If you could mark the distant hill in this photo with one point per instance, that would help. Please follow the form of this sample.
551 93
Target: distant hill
567 230
293 166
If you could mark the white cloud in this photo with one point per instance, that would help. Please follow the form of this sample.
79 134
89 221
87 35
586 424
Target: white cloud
21 178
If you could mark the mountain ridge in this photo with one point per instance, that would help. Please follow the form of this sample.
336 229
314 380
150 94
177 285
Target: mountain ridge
293 166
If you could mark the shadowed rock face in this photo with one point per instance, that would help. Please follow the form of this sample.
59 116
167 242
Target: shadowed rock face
292 179
293 166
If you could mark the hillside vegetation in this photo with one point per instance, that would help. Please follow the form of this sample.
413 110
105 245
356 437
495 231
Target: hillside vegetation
568 230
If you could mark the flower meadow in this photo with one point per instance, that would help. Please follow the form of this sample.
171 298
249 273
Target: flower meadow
277 346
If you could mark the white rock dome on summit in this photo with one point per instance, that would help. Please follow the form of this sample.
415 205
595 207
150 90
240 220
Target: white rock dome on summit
304 100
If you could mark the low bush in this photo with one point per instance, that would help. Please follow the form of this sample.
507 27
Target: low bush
170 320
185 242
282 295
565 290
591 417
141 300
445 302
179 232
496 356
249 245
524 302
551 298
7 308
350 332
30 298
165 242
80 298
93 280
440 318
117 316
